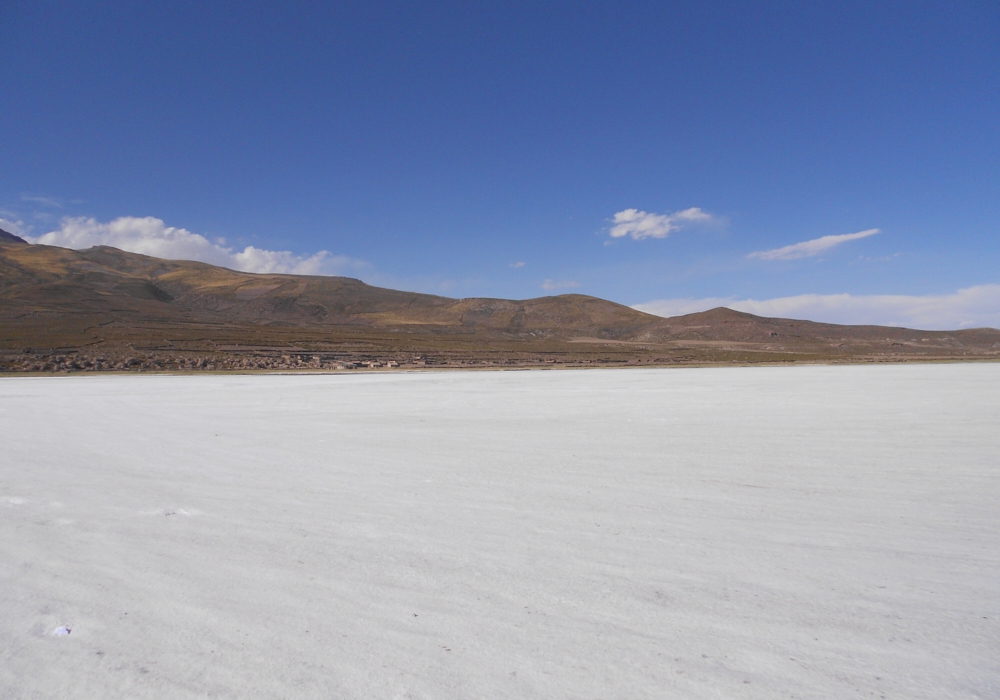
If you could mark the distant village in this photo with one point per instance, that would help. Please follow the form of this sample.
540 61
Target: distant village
80 361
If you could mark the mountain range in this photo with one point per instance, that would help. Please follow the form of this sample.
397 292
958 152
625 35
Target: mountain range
104 308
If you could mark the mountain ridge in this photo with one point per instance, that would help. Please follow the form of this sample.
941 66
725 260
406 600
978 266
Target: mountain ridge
10 237
60 278
117 301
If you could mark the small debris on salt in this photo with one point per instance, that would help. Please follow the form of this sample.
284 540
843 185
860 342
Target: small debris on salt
61 631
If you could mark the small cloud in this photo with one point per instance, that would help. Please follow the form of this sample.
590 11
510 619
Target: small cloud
151 236
44 201
977 306
282 261
15 227
516 264
642 224
562 284
809 248
680 307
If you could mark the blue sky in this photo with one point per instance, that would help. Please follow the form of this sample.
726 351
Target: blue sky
493 149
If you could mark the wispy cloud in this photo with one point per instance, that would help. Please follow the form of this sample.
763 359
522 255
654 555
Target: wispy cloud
44 201
562 284
967 308
151 236
807 249
516 264
642 224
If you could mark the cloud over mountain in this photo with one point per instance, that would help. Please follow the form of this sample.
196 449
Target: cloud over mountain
966 308
151 236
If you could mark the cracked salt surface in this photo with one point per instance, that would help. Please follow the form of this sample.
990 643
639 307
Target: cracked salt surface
805 532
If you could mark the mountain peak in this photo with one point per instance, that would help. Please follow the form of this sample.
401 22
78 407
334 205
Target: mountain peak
7 237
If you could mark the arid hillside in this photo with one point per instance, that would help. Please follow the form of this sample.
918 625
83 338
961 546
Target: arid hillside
104 308
107 281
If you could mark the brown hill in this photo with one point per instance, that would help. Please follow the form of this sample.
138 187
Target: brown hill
10 237
56 302
722 324
128 286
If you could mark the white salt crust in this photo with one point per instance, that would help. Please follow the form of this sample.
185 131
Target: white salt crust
802 532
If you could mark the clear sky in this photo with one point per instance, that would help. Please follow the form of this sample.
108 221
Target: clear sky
665 155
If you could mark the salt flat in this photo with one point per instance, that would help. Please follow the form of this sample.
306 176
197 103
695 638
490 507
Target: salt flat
801 532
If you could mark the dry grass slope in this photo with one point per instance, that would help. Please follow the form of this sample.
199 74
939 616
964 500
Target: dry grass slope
104 308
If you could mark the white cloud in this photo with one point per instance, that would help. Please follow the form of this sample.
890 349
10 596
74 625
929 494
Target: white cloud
680 307
516 264
283 261
150 236
563 284
809 248
971 307
15 227
642 224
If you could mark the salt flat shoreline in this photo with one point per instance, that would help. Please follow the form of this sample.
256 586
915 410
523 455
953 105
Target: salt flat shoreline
823 532
542 368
